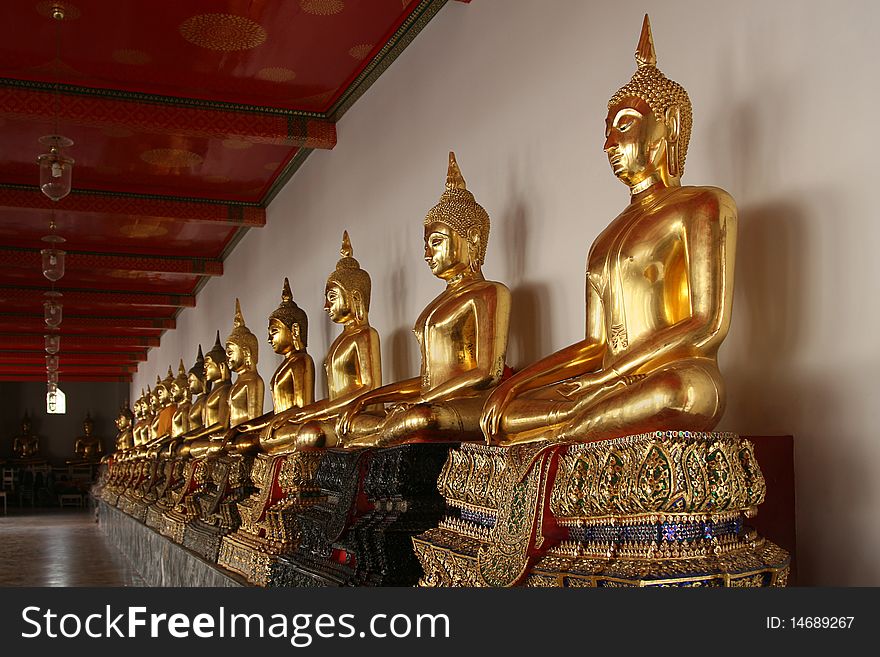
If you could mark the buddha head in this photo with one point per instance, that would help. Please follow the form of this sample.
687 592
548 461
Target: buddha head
151 397
288 325
125 417
88 425
456 230
195 378
216 367
241 345
26 425
648 124
347 294
180 385
163 390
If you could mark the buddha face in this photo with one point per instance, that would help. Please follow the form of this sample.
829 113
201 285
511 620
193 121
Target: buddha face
445 251
635 141
176 392
194 383
280 336
88 427
161 396
337 304
235 356
122 422
212 369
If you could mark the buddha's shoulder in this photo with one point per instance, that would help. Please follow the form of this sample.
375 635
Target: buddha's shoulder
485 286
705 197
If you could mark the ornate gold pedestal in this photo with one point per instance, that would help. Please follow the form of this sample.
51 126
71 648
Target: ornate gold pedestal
268 517
166 493
183 508
659 509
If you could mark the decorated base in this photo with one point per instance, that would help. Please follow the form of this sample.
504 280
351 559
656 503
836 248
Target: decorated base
373 502
659 509
286 486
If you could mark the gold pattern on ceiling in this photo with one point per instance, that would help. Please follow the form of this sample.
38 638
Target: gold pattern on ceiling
276 74
361 50
322 7
174 158
224 32
143 230
132 57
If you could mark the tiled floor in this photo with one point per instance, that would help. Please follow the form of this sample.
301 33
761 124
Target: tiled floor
56 547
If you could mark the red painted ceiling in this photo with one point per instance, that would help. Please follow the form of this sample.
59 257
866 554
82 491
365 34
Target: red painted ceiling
186 118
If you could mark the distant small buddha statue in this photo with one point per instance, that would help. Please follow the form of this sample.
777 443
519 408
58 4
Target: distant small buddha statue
180 398
659 292
139 419
293 384
26 445
215 409
353 364
199 387
87 448
462 335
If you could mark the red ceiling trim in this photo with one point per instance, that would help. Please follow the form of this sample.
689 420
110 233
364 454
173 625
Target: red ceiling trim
33 355
96 203
69 378
31 259
96 320
96 340
101 297
69 358
19 103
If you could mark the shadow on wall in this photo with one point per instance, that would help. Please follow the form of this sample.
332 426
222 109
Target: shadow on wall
529 338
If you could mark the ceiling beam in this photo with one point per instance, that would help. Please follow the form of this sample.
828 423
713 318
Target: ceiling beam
88 203
86 321
69 378
19 339
31 259
34 355
25 100
100 297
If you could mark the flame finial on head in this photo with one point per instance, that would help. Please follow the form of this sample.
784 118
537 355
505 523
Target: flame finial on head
454 179
645 54
345 250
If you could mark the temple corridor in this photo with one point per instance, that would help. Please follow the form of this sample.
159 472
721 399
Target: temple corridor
59 548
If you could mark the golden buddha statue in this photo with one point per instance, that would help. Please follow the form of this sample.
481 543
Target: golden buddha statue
124 421
26 445
215 407
659 292
180 397
87 448
353 364
245 396
163 409
140 410
462 334
199 387
293 384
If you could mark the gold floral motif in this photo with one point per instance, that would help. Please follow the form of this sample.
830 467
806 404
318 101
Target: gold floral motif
360 51
276 74
172 158
223 32
322 7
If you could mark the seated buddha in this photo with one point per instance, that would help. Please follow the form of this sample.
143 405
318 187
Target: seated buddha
245 396
181 397
125 436
87 448
26 445
462 337
215 407
293 383
352 365
659 292
163 410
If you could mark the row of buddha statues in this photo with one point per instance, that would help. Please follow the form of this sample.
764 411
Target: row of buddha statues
659 293
659 288
87 448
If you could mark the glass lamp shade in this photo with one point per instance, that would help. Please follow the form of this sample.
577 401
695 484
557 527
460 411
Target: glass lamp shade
52 377
53 263
52 401
52 309
56 169
51 363
53 343
51 388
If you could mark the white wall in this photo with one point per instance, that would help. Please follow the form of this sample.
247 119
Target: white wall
784 97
